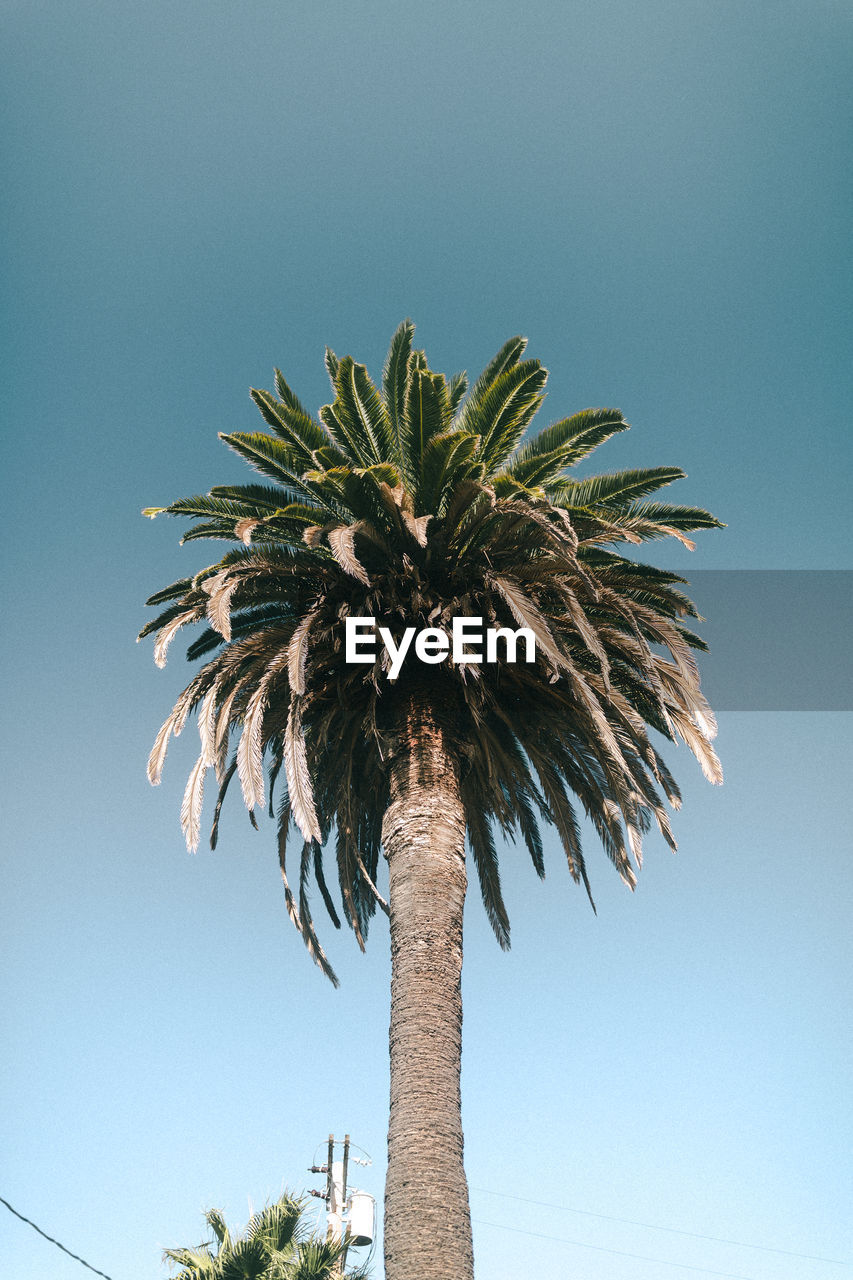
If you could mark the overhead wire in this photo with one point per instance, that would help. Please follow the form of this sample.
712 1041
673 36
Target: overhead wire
652 1226
501 1226
75 1256
619 1253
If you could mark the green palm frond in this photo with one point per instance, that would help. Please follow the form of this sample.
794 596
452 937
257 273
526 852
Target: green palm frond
272 458
209 504
287 396
243 1260
331 362
356 420
276 1245
290 422
277 1226
677 517
426 413
613 490
261 496
394 380
502 413
196 1264
317 1261
508 356
176 591
444 460
215 1219
456 388
563 445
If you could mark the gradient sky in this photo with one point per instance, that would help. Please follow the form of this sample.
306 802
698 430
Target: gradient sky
659 197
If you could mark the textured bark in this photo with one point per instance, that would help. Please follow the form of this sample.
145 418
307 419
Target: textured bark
427 1218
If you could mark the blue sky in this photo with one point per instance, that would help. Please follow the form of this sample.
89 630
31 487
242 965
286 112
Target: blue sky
657 196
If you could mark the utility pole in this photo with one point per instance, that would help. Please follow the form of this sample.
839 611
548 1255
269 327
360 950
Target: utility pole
329 1194
335 1195
330 1186
344 1200
337 1208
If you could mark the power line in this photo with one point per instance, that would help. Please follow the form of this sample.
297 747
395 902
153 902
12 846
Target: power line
652 1226
619 1253
52 1241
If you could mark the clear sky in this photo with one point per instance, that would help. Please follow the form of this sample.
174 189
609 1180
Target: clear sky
658 195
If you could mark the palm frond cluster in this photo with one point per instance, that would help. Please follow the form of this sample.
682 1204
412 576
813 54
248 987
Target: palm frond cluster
414 504
276 1245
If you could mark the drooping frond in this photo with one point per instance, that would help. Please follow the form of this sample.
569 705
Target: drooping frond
299 777
342 542
482 842
191 806
304 927
528 615
169 631
297 654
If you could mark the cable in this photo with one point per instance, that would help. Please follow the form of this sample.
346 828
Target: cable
619 1253
52 1241
652 1226
368 1158
339 1142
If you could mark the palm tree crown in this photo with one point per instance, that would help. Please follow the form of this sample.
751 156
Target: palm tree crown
276 1245
412 505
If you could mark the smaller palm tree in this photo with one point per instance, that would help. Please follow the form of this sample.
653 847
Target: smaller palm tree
276 1245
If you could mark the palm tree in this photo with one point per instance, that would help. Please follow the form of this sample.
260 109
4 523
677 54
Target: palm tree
276 1245
413 506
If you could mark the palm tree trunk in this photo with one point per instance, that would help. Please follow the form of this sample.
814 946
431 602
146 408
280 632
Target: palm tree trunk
427 1218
